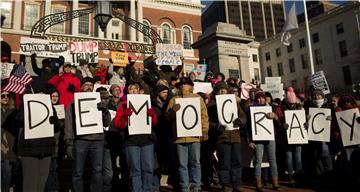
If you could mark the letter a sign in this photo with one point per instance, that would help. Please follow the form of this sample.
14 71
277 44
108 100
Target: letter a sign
227 110
38 110
188 118
296 133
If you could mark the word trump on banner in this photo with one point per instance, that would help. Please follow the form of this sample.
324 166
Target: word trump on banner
227 110
319 124
38 110
139 122
119 58
349 127
88 117
188 118
168 54
296 133
88 51
262 128
43 48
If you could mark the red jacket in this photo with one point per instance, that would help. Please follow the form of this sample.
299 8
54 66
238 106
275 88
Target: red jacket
61 82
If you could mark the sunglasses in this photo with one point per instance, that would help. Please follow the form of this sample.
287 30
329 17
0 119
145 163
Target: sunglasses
4 96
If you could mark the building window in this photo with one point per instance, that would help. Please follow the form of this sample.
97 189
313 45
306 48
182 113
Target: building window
166 33
278 52
5 8
294 84
116 35
304 61
292 65
289 48
347 75
31 15
84 25
318 59
257 74
58 28
186 38
269 71
339 28
315 37
146 38
115 23
267 56
255 58
302 43
280 69
343 49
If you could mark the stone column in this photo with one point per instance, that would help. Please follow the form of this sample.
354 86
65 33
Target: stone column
132 16
75 22
140 19
47 7
17 14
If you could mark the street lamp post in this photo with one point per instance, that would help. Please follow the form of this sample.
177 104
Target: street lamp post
103 14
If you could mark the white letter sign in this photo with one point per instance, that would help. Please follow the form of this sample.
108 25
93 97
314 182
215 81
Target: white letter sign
296 133
227 110
319 127
188 118
139 122
38 110
262 128
349 127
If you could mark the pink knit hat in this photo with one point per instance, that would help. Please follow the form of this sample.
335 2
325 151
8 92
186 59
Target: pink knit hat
290 95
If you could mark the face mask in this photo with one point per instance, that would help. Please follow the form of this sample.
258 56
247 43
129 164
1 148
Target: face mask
319 102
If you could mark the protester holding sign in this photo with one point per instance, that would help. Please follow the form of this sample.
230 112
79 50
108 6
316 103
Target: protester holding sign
118 74
188 148
225 127
139 148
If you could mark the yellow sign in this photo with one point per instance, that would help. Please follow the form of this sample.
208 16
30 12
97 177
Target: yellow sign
119 58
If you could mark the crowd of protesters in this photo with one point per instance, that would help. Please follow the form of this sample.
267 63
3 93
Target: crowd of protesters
117 161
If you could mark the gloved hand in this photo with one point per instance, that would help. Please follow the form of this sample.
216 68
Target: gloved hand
128 112
328 118
270 115
306 125
151 112
53 119
176 107
286 126
238 122
69 144
33 56
101 106
221 129
358 120
71 88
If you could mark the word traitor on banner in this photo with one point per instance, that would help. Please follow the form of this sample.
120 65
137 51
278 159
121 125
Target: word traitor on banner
88 117
319 124
349 127
6 69
119 58
37 112
262 128
139 122
296 133
188 118
318 81
227 110
168 54
88 51
44 48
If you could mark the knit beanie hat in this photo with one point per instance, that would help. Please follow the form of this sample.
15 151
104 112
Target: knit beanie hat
290 95
87 79
317 92
112 87
259 94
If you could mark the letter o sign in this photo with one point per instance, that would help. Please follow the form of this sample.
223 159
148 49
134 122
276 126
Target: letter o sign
196 117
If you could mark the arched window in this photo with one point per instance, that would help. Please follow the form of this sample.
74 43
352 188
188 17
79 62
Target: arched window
186 38
166 33
146 39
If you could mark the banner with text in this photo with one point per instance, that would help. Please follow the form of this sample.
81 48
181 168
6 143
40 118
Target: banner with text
318 80
88 51
168 54
44 48
276 90
119 58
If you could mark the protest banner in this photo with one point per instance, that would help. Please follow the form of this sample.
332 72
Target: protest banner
276 90
60 111
88 51
296 133
88 117
37 112
168 54
200 71
202 87
318 81
44 48
119 58
245 89
6 69
139 122
272 80
188 118
319 126
262 128
349 127
227 110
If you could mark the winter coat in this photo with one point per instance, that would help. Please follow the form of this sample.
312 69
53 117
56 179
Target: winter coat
9 133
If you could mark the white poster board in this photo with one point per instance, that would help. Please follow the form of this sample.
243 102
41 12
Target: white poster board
202 87
88 117
296 133
272 80
276 90
188 67
60 111
245 89
139 122
227 110
349 127
262 128
6 69
318 80
168 54
37 112
188 118
44 48
319 127
88 51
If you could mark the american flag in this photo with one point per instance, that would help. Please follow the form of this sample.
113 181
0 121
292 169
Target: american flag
18 80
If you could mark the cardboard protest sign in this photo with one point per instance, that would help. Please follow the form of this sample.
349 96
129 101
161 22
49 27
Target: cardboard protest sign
272 80
245 89
318 80
200 71
119 58
60 111
88 51
168 54
44 48
6 69
227 110
296 133
262 128
202 87
349 127
319 127
37 112
188 118
276 90
139 122
88 117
